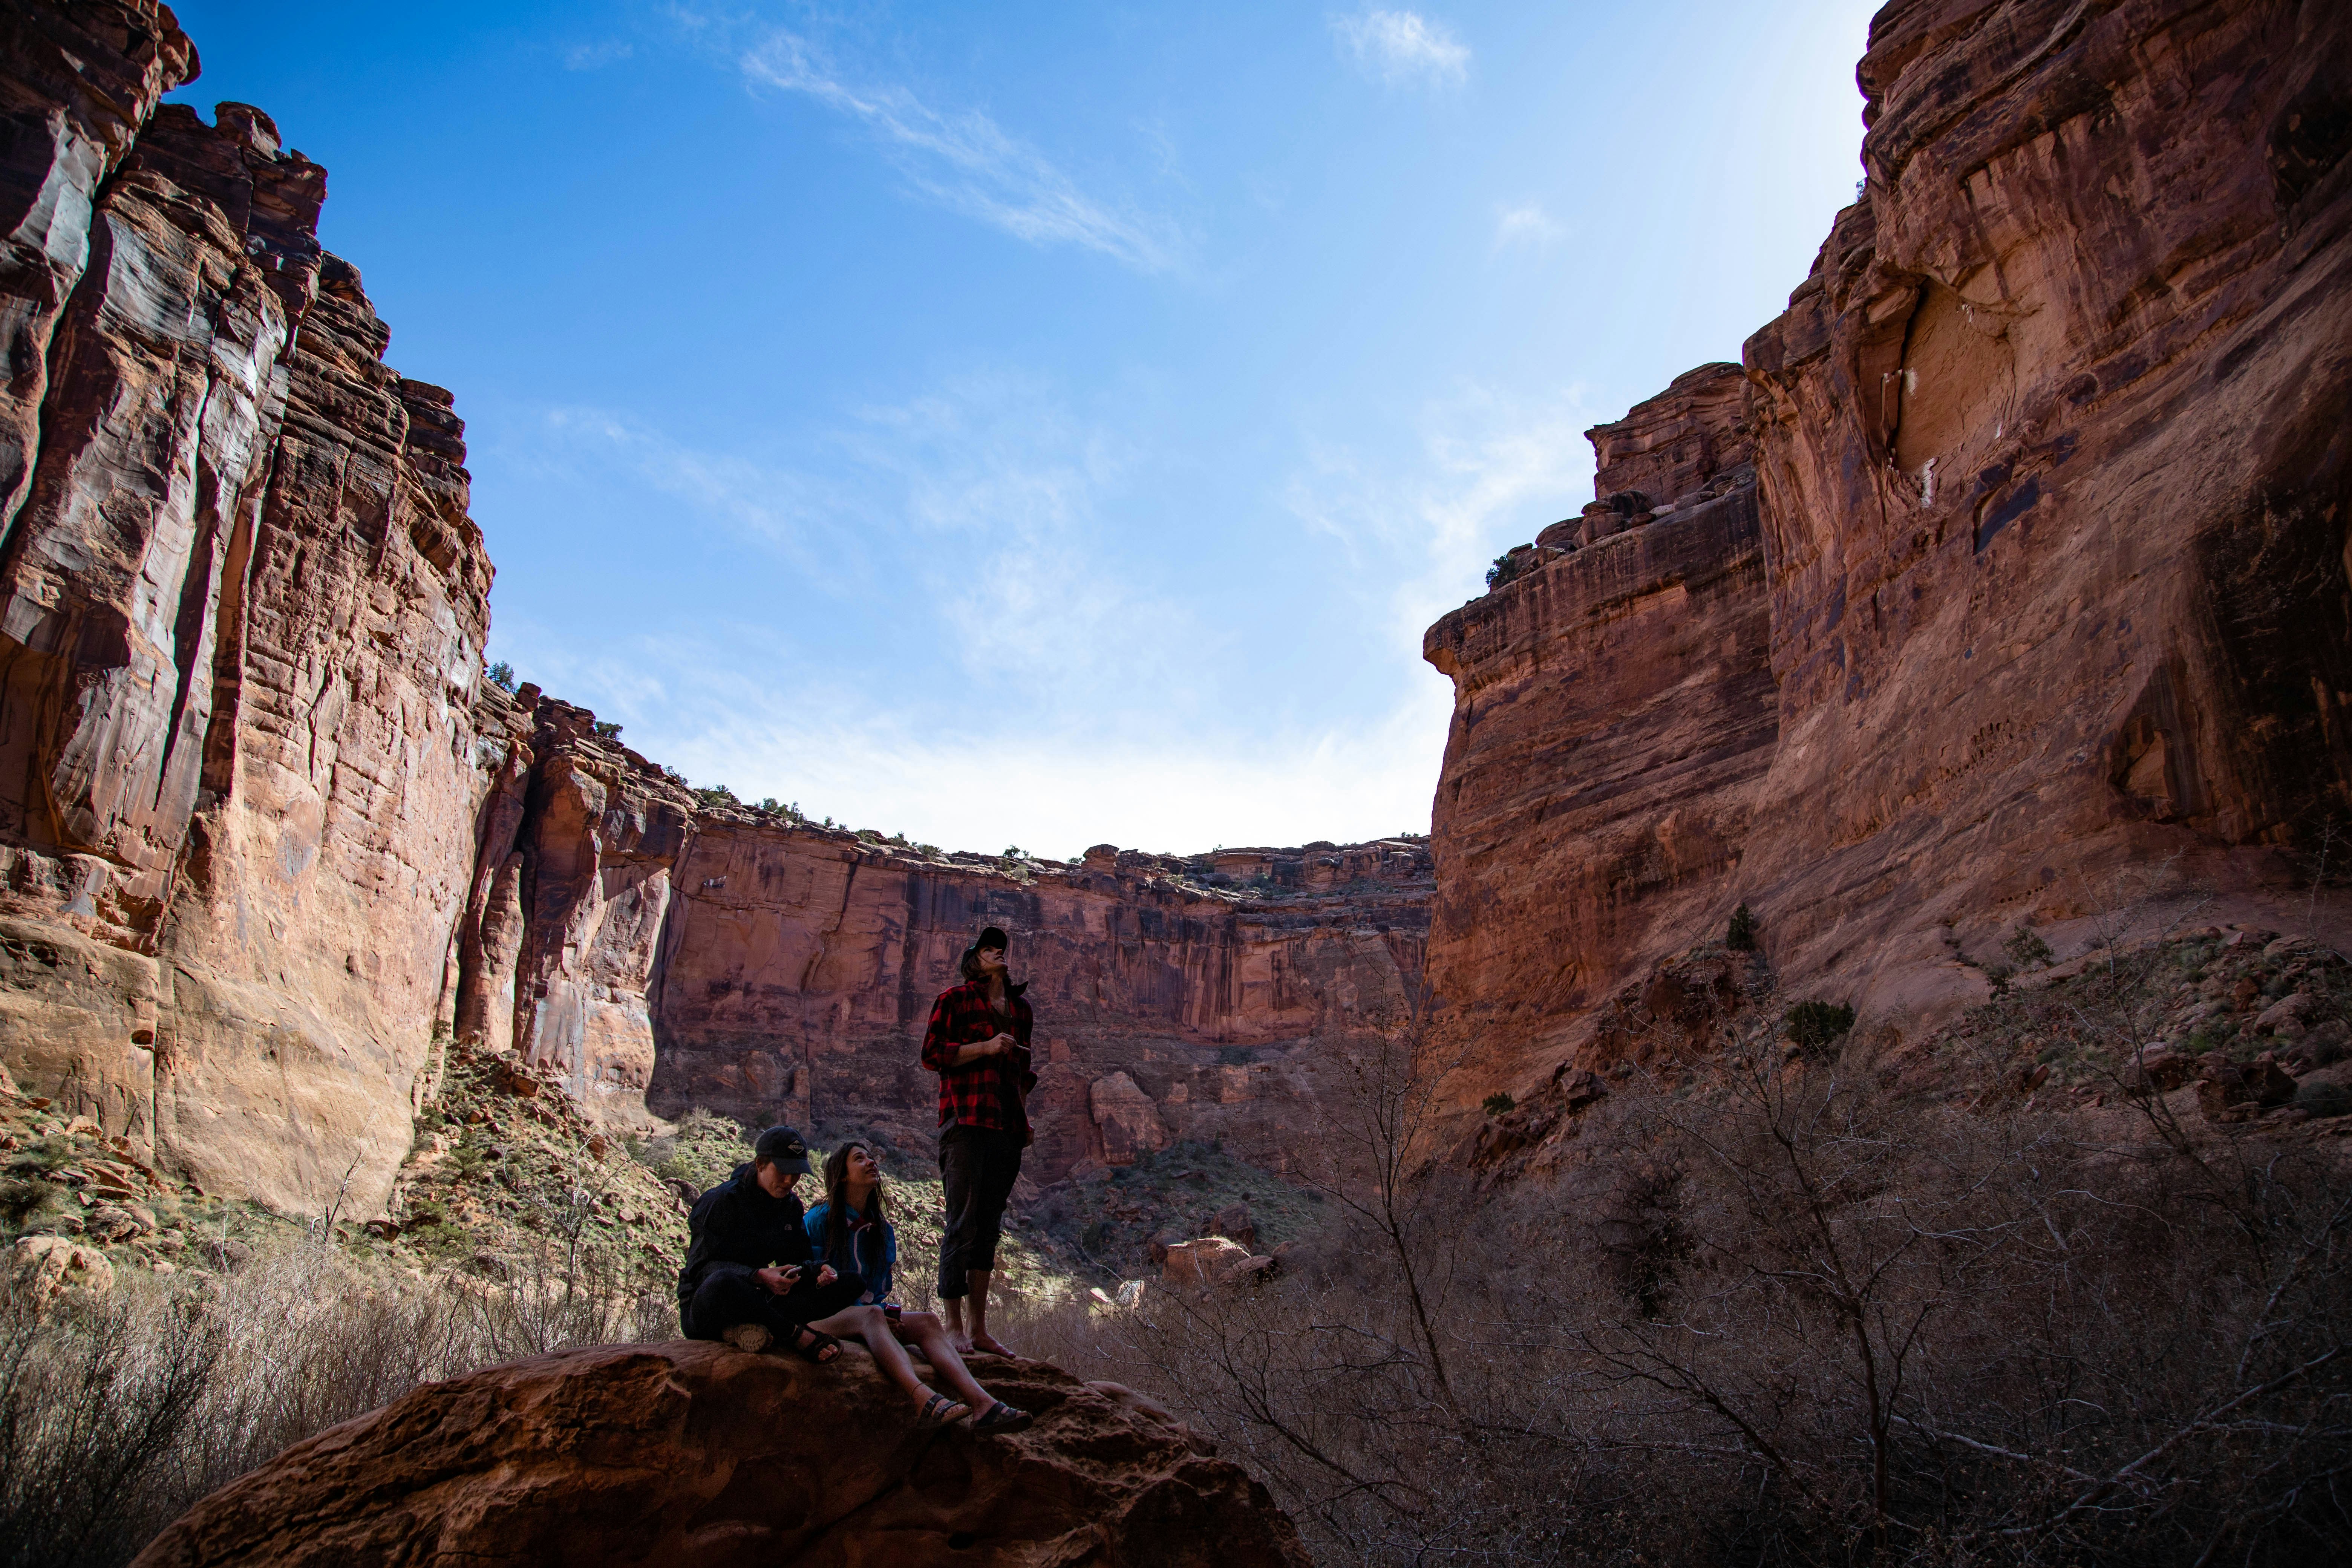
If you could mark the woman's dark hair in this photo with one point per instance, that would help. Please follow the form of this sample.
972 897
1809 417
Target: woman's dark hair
837 1181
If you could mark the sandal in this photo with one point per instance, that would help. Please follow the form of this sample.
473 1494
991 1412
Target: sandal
818 1346
939 1410
1002 1417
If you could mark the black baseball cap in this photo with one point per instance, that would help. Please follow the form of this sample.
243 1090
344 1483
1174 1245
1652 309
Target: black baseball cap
784 1148
993 937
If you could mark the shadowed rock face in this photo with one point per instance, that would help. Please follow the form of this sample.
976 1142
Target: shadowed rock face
2058 476
695 1453
2055 475
241 617
1614 714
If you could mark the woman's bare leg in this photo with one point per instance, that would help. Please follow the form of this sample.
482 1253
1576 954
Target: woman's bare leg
868 1324
938 1345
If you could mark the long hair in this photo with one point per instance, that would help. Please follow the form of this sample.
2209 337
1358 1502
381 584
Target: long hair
1013 988
837 1189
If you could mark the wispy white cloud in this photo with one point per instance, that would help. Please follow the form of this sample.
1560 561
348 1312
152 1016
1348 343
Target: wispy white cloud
1526 224
967 163
1403 48
980 506
1486 470
593 57
1064 695
728 706
800 515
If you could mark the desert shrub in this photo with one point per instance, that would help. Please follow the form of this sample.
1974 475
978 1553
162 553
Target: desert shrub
502 676
1814 1023
2026 950
118 1412
1510 566
702 1150
1499 1104
1789 1317
1740 936
608 729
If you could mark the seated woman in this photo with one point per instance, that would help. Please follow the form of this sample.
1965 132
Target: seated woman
750 1278
850 1234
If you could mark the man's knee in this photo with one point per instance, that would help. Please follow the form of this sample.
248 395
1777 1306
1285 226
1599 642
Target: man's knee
706 1314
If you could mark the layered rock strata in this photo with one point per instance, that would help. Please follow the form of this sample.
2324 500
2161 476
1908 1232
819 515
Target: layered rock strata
2058 478
2048 574
695 1452
242 609
1613 716
667 952
801 968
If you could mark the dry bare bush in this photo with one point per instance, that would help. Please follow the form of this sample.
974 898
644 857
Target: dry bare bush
1786 1316
118 1412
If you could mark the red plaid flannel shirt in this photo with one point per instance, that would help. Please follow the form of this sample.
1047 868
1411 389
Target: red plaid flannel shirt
987 1092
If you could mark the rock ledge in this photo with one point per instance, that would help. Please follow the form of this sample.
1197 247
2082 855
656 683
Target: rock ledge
691 1452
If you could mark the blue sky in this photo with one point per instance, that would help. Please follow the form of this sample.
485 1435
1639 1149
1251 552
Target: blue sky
1044 425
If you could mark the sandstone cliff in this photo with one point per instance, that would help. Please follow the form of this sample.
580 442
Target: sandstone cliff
2044 575
2054 449
1613 718
241 616
667 952
262 824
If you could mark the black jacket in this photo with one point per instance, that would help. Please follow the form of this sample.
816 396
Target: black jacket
736 1222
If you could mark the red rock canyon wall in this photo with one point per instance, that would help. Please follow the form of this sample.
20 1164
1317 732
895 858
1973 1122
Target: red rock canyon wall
2054 478
242 609
668 953
2013 552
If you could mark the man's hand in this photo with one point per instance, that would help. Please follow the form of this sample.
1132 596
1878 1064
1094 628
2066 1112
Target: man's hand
825 1274
997 1046
781 1280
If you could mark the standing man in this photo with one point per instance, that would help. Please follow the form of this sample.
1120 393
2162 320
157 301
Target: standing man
978 1042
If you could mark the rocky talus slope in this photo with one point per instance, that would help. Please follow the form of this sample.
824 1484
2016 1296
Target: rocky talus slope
695 1452
2040 576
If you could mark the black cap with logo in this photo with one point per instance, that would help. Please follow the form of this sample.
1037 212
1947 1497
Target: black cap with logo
783 1147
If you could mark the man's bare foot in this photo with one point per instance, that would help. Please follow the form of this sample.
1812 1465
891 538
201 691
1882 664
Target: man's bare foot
986 1344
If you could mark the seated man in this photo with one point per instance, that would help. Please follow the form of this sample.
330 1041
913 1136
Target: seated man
751 1278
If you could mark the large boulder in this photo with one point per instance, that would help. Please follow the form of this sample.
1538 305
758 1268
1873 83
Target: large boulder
1212 1260
1126 1120
46 1266
691 1452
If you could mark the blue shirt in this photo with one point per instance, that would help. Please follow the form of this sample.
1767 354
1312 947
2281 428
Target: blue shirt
869 1249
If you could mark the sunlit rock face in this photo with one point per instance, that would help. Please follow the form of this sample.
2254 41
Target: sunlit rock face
2045 571
241 617
802 967
668 955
